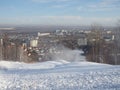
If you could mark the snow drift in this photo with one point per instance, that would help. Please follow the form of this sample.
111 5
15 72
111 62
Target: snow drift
59 75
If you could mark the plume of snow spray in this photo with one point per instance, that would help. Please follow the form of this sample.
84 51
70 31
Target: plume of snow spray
62 53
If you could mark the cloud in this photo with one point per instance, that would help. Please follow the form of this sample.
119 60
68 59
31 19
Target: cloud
102 5
109 2
79 5
113 4
60 6
61 20
47 1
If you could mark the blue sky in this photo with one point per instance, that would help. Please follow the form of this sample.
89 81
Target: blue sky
59 12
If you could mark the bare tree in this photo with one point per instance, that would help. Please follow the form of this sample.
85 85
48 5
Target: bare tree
117 44
95 41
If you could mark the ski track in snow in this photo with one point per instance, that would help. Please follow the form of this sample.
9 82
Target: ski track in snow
59 75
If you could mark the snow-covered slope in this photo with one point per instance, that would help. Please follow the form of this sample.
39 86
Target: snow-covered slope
59 75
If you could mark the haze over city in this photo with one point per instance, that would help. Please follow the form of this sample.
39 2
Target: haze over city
59 12
59 44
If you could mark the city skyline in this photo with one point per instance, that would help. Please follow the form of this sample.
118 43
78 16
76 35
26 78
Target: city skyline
59 12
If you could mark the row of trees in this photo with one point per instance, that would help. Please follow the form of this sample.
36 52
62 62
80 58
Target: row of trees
13 50
102 51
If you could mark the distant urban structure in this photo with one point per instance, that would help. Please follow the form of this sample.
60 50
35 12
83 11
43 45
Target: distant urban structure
99 45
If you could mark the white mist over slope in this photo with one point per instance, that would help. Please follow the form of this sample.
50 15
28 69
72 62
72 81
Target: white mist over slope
61 52
59 75
69 55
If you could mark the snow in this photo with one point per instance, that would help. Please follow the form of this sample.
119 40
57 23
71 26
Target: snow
59 75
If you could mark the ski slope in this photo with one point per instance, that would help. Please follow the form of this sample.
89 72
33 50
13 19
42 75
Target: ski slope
59 75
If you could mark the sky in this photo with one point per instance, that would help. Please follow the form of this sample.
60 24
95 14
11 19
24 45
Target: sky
59 12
